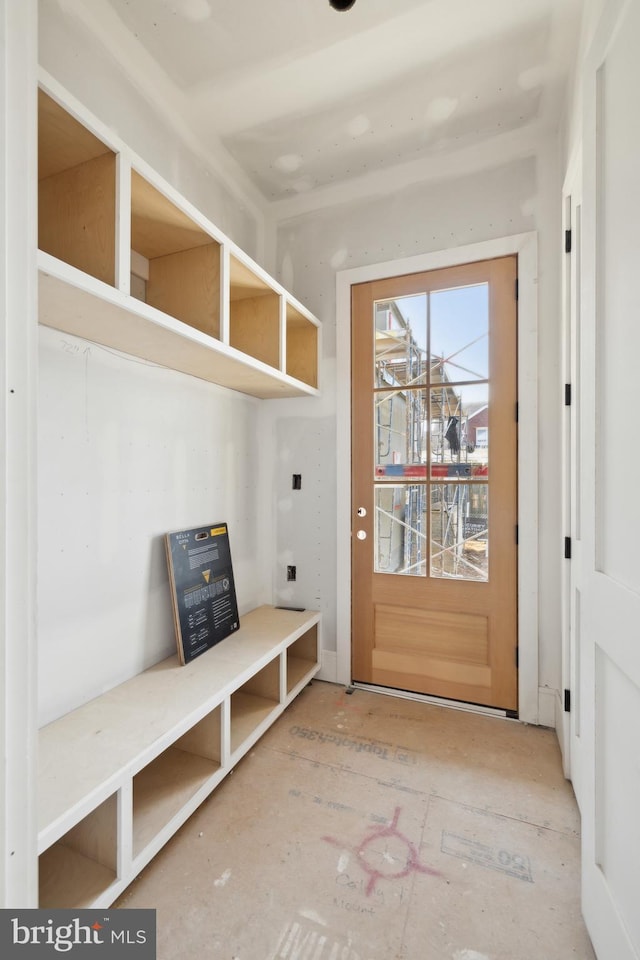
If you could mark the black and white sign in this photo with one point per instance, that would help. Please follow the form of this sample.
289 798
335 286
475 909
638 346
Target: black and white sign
205 609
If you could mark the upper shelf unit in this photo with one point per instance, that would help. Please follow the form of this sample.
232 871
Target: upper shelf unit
126 262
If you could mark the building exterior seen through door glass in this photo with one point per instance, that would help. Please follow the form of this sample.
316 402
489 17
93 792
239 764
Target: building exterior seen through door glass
424 420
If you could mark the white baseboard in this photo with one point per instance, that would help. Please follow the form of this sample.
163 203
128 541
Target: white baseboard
560 714
548 698
328 666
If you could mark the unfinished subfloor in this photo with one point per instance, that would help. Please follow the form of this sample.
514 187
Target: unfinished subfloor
366 827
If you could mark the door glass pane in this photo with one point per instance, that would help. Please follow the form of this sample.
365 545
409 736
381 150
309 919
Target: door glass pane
459 531
460 334
401 433
401 529
400 341
459 420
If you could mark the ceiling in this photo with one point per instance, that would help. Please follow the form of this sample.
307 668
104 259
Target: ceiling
304 98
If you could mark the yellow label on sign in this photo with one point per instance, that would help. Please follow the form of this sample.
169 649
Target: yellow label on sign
218 530
206 574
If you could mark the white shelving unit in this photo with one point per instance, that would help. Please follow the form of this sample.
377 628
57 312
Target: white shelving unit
126 262
119 775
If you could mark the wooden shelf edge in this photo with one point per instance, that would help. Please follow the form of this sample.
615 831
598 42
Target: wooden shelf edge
303 390
77 304
301 309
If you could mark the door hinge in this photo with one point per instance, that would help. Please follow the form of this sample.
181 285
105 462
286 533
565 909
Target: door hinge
517 534
567 701
567 241
567 394
517 657
567 548
517 289
517 411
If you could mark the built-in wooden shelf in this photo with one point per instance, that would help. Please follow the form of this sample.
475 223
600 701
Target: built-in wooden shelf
128 263
119 775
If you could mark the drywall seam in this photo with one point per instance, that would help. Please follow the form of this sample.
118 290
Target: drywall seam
451 165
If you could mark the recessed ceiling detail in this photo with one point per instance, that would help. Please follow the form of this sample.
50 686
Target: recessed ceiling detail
303 99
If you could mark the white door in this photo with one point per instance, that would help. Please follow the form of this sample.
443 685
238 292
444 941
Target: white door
569 733
576 745
609 589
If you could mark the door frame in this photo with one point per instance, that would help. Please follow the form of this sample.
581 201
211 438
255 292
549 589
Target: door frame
18 453
568 723
525 246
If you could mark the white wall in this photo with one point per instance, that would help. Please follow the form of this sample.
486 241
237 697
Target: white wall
299 436
571 132
129 451
506 199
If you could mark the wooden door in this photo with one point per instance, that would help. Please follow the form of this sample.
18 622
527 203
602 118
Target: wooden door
434 590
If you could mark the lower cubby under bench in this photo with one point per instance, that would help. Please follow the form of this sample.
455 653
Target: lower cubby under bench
119 775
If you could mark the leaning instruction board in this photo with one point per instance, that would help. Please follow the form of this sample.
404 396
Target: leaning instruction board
205 608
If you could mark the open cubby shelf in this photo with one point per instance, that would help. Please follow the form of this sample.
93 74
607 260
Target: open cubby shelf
76 193
301 657
253 705
166 785
126 262
162 789
119 775
302 347
80 868
69 880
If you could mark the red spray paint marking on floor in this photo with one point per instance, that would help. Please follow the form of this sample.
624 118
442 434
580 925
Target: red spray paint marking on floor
363 853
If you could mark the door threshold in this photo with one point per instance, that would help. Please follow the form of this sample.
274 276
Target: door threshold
435 701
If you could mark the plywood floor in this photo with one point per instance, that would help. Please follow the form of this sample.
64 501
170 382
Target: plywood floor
365 827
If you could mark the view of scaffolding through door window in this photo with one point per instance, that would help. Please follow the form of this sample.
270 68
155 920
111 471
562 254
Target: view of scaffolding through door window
431 421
